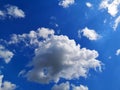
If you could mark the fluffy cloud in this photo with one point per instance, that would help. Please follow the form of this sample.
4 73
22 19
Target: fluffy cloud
12 11
118 52
111 6
5 54
90 34
88 4
33 37
6 85
66 86
66 3
57 56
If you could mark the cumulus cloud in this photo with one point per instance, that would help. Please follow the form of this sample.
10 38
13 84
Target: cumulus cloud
90 34
5 54
6 85
66 3
118 52
68 86
12 11
111 6
57 56
117 21
88 4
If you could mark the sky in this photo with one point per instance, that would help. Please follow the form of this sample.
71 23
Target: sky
59 45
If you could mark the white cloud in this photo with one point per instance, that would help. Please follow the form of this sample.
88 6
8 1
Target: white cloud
81 87
32 38
90 34
66 3
62 86
45 32
5 54
88 4
12 11
111 6
118 52
6 85
117 21
57 56
2 14
68 86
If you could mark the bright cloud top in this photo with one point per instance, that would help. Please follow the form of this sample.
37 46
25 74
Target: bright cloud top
118 52
66 3
57 56
88 4
90 34
6 85
12 11
66 86
5 54
111 6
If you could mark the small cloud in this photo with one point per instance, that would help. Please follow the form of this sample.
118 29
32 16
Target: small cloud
88 4
15 12
90 34
11 11
5 54
6 85
118 52
66 3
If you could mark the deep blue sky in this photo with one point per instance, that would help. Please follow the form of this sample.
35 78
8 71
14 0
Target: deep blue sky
47 13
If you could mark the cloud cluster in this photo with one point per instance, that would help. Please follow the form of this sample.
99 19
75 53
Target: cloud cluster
66 86
111 6
57 56
90 34
6 85
33 37
66 3
12 11
5 54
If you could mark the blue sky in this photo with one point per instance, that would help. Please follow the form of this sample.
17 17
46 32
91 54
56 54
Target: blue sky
59 45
